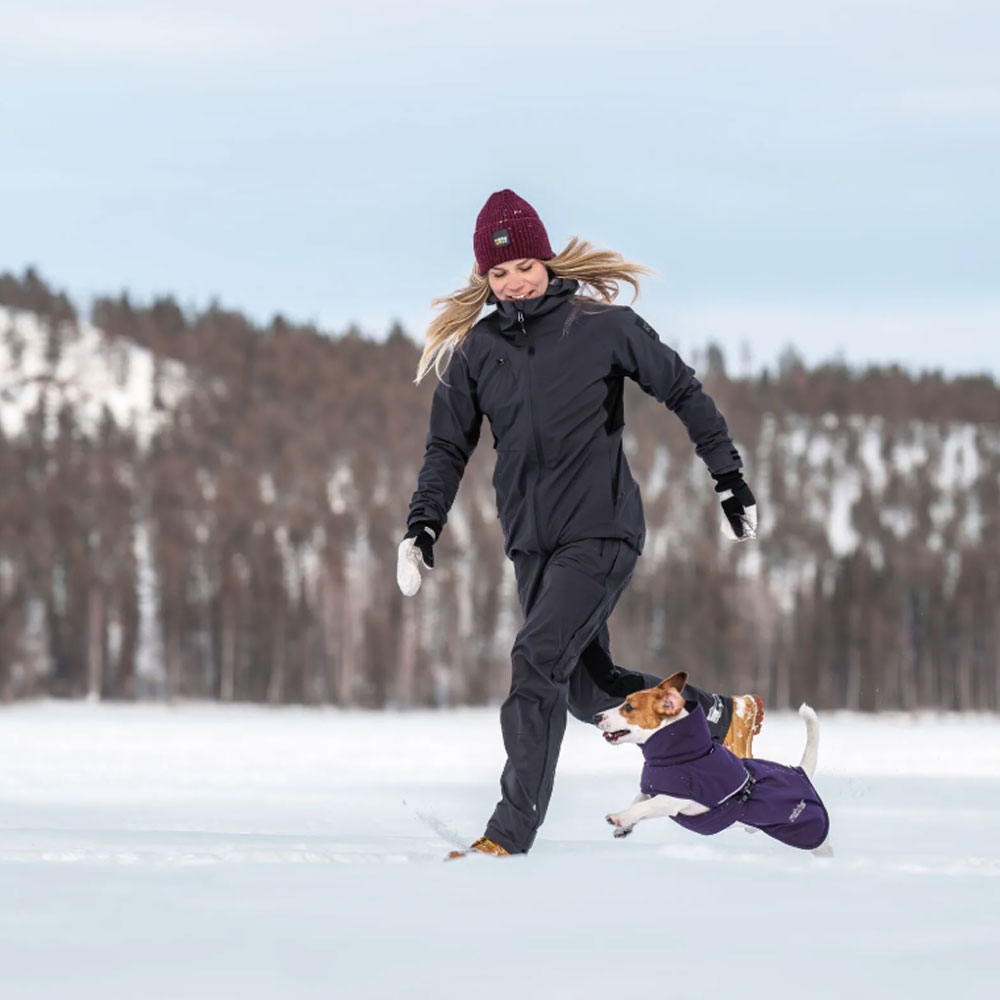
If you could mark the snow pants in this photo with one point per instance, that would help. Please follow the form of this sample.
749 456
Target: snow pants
561 661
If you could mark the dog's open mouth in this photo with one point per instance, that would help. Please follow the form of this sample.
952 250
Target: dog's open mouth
615 736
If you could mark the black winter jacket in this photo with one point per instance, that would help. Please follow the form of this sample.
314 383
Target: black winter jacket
548 373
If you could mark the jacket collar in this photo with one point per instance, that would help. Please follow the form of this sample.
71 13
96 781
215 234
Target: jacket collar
682 741
560 290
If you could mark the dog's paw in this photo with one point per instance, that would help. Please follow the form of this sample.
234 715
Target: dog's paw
621 828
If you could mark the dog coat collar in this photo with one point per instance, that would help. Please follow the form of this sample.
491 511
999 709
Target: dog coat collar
682 760
682 741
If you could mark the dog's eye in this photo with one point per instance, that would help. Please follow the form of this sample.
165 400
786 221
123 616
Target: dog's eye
626 707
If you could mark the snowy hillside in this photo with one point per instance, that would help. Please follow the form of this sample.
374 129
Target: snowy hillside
250 555
207 853
836 460
85 370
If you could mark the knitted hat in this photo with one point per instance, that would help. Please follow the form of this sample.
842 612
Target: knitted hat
508 228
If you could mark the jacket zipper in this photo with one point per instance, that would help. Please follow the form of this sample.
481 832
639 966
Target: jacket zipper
532 393
535 433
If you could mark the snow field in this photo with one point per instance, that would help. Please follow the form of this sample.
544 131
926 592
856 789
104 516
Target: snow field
205 852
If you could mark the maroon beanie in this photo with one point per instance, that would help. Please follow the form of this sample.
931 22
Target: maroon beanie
508 228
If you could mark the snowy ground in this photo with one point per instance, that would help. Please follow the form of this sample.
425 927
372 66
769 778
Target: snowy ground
201 853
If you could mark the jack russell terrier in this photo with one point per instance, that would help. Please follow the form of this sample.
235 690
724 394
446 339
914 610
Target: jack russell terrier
702 785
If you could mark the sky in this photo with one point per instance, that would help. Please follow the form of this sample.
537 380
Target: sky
819 176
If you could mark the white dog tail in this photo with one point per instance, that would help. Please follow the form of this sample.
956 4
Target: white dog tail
809 755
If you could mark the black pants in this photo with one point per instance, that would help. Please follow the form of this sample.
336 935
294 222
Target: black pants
561 660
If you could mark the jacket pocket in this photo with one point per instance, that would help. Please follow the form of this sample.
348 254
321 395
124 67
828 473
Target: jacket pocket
491 368
510 484
500 398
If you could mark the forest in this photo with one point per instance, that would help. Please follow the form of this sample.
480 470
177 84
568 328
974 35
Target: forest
195 506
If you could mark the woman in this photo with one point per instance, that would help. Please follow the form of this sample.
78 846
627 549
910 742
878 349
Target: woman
546 367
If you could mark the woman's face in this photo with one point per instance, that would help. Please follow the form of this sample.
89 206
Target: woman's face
519 279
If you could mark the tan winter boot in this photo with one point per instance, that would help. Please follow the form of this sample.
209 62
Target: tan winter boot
482 846
748 714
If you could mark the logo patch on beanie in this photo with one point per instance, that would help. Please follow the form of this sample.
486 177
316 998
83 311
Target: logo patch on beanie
501 237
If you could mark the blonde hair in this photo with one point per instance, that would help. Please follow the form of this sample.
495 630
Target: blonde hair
599 272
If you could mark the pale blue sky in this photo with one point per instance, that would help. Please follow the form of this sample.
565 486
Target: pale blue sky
824 176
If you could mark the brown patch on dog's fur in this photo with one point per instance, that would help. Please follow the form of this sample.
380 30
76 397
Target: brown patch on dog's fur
647 709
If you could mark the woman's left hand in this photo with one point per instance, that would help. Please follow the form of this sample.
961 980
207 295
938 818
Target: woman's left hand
415 550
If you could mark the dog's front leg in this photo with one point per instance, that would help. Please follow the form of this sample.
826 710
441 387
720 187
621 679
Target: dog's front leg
622 827
644 807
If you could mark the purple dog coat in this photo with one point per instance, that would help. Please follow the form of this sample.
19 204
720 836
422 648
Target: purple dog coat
682 761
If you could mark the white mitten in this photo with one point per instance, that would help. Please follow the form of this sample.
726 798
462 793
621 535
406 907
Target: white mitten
415 550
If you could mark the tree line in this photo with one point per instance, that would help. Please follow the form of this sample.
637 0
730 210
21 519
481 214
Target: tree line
245 548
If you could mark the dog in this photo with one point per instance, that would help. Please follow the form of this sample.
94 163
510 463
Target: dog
703 786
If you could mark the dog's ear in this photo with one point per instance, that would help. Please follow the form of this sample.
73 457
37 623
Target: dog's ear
672 702
676 681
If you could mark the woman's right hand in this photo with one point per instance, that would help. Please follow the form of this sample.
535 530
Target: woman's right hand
415 550
739 508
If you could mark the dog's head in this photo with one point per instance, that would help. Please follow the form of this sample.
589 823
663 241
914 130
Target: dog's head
644 712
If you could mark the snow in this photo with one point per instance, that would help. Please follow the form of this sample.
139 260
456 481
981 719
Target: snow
92 374
205 852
